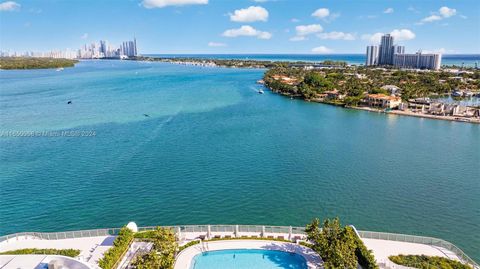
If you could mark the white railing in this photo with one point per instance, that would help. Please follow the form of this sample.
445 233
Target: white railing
235 230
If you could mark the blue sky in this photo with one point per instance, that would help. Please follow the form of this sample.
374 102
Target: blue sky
241 26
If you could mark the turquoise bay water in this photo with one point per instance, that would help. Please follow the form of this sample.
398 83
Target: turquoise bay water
215 151
247 259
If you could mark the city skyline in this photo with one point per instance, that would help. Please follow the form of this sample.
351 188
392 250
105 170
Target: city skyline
247 26
93 50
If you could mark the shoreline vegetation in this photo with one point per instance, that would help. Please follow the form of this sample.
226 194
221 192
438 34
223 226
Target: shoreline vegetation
234 63
382 90
13 63
375 89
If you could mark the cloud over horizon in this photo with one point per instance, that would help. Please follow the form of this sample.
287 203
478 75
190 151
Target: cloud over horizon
443 13
250 14
216 44
165 3
337 36
398 35
247 30
325 14
322 50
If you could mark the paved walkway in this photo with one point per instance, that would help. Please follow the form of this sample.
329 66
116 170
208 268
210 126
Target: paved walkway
184 259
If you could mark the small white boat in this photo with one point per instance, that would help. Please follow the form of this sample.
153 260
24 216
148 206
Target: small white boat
260 91
60 69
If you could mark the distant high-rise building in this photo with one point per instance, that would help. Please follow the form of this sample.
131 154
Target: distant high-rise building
418 60
390 54
372 55
398 50
385 52
103 48
135 52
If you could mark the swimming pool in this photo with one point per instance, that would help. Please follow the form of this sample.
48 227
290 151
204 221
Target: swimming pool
248 259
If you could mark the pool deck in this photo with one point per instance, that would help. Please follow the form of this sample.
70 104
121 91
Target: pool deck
41 261
384 248
91 248
184 259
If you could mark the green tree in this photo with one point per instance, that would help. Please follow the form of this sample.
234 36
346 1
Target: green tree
316 80
150 260
162 255
334 243
120 246
165 245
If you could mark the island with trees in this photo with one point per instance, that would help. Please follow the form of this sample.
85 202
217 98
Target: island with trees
405 92
11 63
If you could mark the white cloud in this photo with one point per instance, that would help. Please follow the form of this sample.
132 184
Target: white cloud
84 36
373 38
325 14
216 44
298 38
322 50
9 6
165 3
447 12
294 20
388 10
399 35
443 13
250 14
321 13
431 18
303 30
247 30
337 36
403 34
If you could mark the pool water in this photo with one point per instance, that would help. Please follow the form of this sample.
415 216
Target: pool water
248 259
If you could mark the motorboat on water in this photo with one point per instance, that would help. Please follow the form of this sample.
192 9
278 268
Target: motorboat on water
261 92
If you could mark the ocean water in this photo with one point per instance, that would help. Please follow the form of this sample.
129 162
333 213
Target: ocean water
213 150
247 259
467 60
